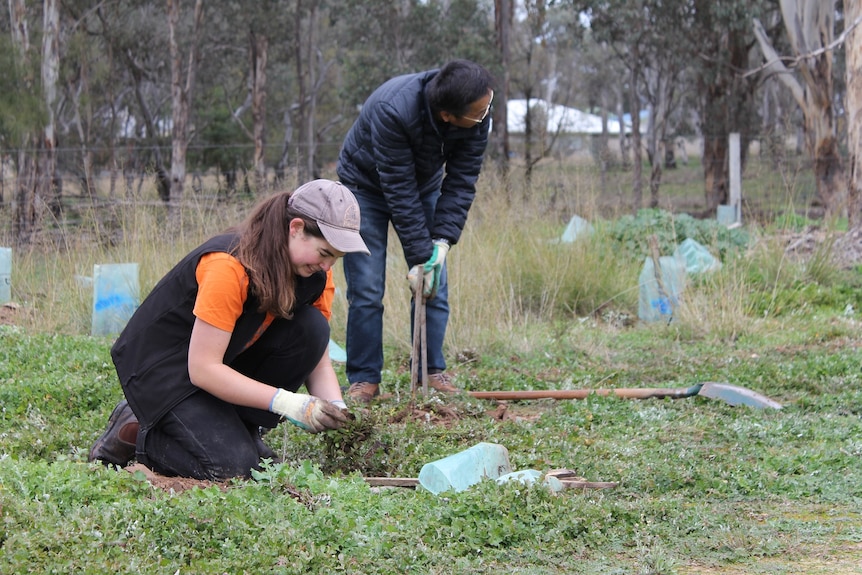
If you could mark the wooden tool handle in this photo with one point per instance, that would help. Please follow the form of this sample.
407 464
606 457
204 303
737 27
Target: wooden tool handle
630 392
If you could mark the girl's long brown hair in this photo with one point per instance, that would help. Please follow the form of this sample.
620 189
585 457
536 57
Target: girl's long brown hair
264 237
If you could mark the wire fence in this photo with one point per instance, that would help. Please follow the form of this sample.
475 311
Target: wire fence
773 174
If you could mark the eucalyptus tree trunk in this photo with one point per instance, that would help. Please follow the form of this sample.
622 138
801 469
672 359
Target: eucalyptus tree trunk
306 105
86 174
853 75
625 157
34 176
181 95
310 107
603 154
504 11
163 184
726 103
528 141
810 29
257 86
716 181
286 142
50 74
637 160
661 81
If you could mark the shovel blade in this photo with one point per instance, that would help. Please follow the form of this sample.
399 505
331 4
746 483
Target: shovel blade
735 395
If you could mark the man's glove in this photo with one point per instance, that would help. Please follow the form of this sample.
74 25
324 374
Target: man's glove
414 277
307 412
431 270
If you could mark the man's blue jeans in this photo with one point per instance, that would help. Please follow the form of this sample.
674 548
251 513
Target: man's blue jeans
366 283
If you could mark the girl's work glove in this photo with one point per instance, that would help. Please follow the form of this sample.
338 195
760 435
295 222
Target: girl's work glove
307 412
431 270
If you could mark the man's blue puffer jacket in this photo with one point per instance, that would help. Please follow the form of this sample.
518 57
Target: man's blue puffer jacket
396 149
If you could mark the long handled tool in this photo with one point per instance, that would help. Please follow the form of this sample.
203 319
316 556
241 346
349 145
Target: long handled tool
420 349
732 394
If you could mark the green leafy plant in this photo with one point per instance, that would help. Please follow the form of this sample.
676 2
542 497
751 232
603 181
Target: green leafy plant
701 484
633 232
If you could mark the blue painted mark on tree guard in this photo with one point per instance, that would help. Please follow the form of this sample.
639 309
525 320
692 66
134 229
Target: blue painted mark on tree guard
114 300
656 301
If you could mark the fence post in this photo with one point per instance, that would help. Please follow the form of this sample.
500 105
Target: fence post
736 177
731 214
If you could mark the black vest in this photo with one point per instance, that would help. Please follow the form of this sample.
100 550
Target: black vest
151 354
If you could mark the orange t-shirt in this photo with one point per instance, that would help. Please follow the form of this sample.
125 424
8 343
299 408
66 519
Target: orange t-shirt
223 290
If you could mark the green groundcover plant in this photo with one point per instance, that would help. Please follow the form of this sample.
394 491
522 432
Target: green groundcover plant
701 486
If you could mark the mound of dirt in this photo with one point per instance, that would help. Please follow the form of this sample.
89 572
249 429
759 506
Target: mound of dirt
10 313
845 248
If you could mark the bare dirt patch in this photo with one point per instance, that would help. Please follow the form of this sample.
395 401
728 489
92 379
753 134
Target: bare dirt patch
844 248
173 484
11 313
843 560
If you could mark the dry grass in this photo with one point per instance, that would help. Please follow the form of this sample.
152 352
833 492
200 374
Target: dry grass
508 274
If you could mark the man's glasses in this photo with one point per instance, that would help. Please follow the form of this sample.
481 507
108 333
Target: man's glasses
485 115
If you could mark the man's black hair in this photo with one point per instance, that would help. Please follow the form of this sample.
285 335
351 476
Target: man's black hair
458 84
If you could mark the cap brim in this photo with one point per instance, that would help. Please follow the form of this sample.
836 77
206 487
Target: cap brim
347 241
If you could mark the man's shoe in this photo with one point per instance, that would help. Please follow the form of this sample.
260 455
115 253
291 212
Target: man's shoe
363 392
110 448
442 382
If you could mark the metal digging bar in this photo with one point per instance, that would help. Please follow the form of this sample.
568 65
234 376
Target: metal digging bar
419 357
732 394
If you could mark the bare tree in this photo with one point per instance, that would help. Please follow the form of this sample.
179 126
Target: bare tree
36 159
258 50
601 75
137 74
504 13
134 95
810 28
721 39
546 72
304 78
853 74
629 30
535 78
286 142
181 93
25 193
662 76
259 44
50 74
635 66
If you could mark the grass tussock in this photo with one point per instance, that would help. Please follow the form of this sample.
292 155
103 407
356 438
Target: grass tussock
509 274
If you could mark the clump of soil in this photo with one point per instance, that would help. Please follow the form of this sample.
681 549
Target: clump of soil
11 313
844 248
